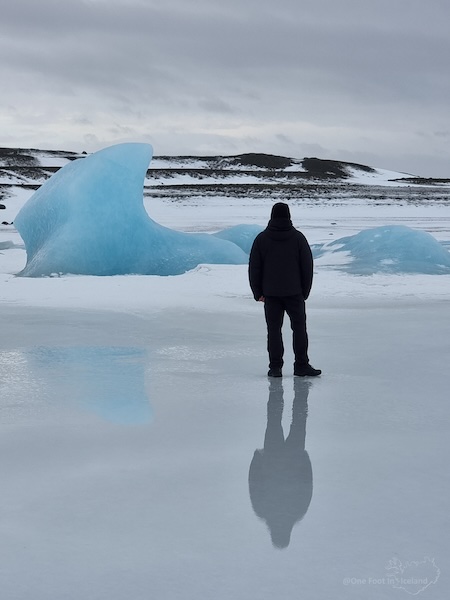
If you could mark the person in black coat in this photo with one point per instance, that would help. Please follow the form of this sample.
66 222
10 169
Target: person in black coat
280 275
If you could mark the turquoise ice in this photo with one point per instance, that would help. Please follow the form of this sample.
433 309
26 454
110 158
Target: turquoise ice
241 235
391 249
89 218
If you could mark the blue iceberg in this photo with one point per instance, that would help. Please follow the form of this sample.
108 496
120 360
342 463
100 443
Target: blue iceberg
241 235
391 249
89 218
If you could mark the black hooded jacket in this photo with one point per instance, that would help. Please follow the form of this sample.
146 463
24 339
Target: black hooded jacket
281 262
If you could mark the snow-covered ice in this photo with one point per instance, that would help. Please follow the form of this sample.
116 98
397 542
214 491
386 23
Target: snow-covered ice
158 501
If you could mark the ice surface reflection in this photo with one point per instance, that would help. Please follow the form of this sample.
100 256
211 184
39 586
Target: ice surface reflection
280 477
109 381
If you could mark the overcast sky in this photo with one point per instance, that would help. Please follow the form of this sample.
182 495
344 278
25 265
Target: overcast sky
345 79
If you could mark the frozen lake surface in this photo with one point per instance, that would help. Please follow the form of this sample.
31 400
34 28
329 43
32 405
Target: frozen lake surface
145 454
101 503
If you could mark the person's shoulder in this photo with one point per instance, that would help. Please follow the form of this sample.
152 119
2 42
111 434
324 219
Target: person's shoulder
261 235
301 238
257 241
299 234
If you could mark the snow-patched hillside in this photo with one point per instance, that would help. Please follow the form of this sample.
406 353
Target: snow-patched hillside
240 177
31 167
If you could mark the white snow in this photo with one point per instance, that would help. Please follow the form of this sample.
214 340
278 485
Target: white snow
49 159
377 176
189 179
160 509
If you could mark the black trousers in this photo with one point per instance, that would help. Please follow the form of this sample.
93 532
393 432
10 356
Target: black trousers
274 309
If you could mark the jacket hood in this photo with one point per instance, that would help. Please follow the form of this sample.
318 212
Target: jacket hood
280 228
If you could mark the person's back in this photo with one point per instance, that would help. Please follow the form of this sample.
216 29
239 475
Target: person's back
281 261
280 275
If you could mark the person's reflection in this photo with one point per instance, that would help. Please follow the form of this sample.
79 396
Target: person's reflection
280 476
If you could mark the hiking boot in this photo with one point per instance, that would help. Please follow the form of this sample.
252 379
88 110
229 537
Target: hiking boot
275 373
306 371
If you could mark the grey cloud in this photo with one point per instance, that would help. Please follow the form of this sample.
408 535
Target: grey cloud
215 105
349 65
313 150
82 120
120 131
100 39
284 139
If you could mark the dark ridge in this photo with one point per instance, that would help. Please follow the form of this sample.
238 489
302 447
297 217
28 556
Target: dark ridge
238 189
422 180
331 168
364 168
313 189
30 172
252 159
12 157
28 186
25 156
266 161
223 173
187 157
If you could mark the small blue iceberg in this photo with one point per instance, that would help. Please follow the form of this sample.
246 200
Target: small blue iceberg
391 249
